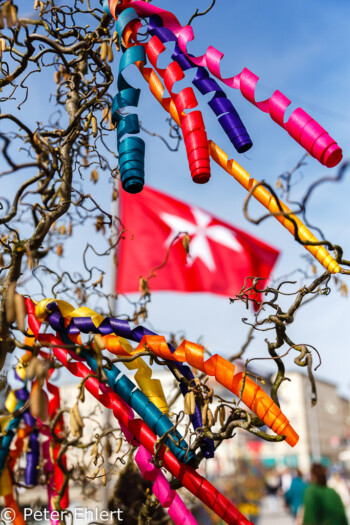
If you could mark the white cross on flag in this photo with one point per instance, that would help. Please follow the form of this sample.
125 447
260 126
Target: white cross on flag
220 255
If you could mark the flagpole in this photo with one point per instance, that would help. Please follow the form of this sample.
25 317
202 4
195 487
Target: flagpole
112 303
112 298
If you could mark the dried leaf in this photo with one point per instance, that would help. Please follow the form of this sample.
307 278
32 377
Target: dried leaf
205 414
94 126
10 303
11 16
110 53
189 403
104 51
99 282
31 368
143 287
39 406
103 476
99 224
20 310
115 39
210 418
105 114
75 422
186 243
2 46
94 176
343 289
222 413
95 473
279 184
87 122
59 250
62 230
30 258
119 445
57 77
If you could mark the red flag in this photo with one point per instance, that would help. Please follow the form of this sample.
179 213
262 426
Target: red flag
220 257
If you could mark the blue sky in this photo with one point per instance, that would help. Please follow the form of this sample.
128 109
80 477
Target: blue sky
301 49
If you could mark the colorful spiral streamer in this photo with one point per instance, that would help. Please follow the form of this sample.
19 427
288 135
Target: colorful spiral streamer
288 219
223 108
132 149
138 429
300 126
192 124
158 422
65 319
85 324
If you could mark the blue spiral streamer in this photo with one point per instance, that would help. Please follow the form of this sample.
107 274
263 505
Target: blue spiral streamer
132 149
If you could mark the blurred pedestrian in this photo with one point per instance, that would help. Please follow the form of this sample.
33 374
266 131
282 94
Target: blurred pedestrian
338 483
273 484
322 505
286 479
294 497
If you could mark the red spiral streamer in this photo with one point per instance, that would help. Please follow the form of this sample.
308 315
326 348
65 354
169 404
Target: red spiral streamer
194 482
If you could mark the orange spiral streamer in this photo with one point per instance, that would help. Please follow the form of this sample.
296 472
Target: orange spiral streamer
251 394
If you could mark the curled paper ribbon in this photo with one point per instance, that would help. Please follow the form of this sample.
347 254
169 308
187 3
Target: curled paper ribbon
139 430
251 394
33 453
223 371
168 498
288 219
86 320
6 488
57 475
192 124
10 432
223 108
10 503
54 474
132 149
122 385
152 388
300 126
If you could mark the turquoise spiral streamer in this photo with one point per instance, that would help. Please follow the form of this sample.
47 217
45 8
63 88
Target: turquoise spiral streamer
132 149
